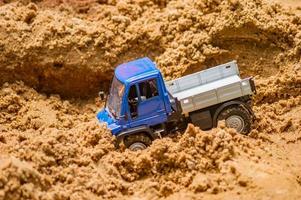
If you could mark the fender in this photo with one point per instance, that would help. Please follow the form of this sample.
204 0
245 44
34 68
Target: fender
134 130
230 103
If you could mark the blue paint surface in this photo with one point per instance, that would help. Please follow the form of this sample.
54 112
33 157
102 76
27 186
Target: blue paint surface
104 117
129 71
151 111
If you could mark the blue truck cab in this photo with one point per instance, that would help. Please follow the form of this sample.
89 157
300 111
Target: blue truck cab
138 97
139 107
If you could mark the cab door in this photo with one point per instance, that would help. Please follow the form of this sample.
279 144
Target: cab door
146 105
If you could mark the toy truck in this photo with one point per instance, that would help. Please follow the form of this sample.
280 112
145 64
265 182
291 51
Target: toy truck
141 106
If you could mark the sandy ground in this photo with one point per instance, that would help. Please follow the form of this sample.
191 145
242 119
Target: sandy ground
56 55
295 5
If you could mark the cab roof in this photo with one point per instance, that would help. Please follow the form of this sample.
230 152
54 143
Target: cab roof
135 69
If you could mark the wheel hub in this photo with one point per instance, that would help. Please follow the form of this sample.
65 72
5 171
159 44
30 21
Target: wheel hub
137 146
235 122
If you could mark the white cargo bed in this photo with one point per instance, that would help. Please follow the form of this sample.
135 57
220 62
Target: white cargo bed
209 87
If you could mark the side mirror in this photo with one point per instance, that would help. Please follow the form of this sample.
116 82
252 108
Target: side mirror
101 94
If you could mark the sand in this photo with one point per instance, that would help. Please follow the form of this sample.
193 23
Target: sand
56 55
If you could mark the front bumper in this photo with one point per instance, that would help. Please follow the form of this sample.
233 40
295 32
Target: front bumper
104 116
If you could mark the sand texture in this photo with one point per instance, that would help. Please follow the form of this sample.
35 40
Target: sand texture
56 55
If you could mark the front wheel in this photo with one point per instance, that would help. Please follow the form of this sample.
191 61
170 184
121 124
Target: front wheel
238 118
137 142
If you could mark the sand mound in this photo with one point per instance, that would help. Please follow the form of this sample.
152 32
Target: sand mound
18 180
82 155
73 48
68 154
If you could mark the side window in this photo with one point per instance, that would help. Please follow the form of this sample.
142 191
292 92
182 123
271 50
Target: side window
148 89
133 101
133 93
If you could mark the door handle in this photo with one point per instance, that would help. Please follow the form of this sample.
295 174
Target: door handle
159 111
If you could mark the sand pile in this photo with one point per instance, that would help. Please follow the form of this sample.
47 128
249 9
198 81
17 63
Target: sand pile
72 154
19 180
79 159
72 49
51 145
65 153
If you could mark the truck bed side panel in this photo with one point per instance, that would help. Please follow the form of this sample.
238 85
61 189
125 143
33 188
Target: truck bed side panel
205 99
216 96
203 77
229 92
209 87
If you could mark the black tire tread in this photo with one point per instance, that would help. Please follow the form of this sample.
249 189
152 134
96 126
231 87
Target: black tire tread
238 110
140 137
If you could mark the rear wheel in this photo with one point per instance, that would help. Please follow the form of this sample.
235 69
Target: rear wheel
238 118
137 141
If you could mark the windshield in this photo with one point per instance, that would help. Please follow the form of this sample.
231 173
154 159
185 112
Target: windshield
115 97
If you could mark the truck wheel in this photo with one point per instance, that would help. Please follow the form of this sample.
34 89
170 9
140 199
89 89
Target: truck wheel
237 118
137 142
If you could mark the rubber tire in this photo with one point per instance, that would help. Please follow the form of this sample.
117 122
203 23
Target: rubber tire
240 111
137 138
